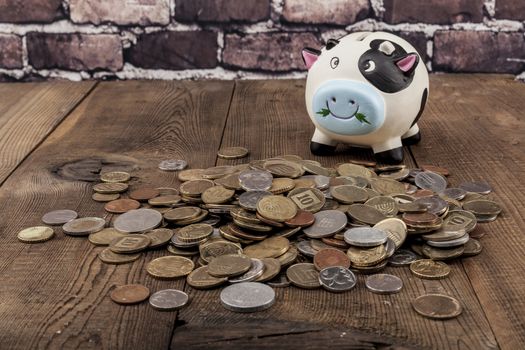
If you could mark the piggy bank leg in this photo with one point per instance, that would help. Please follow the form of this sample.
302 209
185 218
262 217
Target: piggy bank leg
321 144
389 152
412 136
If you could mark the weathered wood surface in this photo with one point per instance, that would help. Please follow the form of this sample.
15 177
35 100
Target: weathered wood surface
29 113
55 295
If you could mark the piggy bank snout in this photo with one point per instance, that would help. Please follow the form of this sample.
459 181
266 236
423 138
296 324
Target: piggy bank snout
348 107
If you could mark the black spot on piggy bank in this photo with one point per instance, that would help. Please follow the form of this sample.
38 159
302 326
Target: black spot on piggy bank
366 89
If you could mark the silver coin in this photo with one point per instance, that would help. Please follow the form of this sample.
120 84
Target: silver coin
365 236
428 180
255 180
476 187
327 223
173 164
256 269
390 247
138 220
248 200
451 243
168 299
486 218
321 182
403 257
337 279
434 204
383 283
84 226
59 217
305 248
247 297
454 193
280 281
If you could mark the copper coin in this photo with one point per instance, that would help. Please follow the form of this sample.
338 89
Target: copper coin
303 218
129 294
144 194
304 275
120 206
419 218
437 306
330 257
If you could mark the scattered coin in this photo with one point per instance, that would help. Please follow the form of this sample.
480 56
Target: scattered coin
168 300
129 294
365 236
105 197
329 257
303 218
110 257
365 214
201 279
303 275
429 269
476 187
276 208
144 194
105 236
169 267
232 152
367 256
402 257
83 226
348 194
269 248
247 297
59 217
115 176
327 223
120 206
229 265
248 200
255 271
167 200
309 199
384 283
172 164
217 195
395 228
138 220
337 279
36 234
129 244
437 306
386 205
108 188
428 180
159 237
272 267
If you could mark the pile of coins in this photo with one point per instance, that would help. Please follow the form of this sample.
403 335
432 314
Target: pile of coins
285 220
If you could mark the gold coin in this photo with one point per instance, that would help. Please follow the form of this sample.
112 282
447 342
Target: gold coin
217 195
190 174
304 183
442 254
386 186
166 200
244 215
105 236
272 267
105 197
367 256
385 204
309 199
168 267
201 279
129 244
36 234
437 306
182 251
229 181
159 237
229 265
113 187
115 176
194 232
395 228
129 294
232 152
195 188
304 275
429 269
213 249
182 213
167 191
348 194
196 219
281 185
253 227
218 171
349 169
283 168
269 248
365 214
110 257
277 208
289 257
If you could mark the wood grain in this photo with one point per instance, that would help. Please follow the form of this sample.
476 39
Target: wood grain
270 119
28 114
55 294
475 126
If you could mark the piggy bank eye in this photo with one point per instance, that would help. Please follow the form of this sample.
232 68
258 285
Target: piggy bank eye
334 62
369 66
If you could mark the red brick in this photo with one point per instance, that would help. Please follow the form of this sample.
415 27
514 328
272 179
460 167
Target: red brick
10 51
75 51
26 11
267 51
341 12
124 12
469 51
222 10
175 50
510 9
433 11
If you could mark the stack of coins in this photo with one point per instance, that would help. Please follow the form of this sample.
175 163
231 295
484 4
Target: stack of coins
286 220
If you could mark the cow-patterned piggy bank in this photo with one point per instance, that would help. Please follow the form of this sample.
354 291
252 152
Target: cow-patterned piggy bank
366 89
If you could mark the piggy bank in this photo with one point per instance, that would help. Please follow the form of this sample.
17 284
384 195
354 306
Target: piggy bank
365 89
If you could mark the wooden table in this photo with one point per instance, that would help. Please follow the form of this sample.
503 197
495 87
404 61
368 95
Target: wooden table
55 136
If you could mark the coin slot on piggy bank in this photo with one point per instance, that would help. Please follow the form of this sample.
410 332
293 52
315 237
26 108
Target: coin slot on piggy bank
366 89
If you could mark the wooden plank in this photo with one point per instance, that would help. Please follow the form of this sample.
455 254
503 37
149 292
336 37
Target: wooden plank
474 126
270 119
55 295
29 112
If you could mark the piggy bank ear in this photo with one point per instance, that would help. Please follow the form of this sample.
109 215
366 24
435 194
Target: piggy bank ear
310 56
408 63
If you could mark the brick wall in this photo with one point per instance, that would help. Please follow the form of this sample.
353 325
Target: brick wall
226 39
